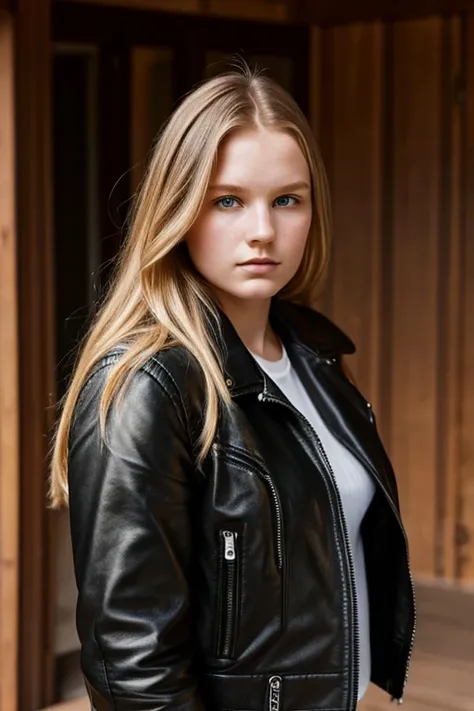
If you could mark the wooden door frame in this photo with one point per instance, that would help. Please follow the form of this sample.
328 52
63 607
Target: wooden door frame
36 352
9 390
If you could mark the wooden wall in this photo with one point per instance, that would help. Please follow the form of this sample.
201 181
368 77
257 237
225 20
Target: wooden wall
395 118
269 10
9 454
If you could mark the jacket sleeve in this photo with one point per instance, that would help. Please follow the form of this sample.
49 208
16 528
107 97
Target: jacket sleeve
132 546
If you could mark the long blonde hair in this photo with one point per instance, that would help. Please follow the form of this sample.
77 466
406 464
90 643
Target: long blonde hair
157 299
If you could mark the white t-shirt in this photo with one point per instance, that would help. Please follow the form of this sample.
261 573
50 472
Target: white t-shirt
355 486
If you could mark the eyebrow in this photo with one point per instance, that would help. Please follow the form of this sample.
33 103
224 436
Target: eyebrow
299 185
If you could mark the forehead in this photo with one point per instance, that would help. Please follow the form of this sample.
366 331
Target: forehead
261 156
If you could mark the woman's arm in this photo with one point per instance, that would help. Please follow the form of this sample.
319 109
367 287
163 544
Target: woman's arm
132 543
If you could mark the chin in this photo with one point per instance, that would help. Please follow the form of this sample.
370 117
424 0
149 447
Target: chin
258 292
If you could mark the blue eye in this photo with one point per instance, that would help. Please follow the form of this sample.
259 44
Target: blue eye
283 201
226 202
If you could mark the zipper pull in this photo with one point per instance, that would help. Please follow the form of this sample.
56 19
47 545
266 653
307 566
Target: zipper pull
229 544
274 693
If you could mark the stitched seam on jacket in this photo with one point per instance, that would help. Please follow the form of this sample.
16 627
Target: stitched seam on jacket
106 677
236 677
104 666
164 386
178 391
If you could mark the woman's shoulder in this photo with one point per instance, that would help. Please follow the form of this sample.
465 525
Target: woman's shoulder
174 365
168 377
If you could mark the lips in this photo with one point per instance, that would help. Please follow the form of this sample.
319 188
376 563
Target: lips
258 260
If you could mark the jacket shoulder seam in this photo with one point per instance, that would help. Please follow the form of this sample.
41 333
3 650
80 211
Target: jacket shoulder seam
176 398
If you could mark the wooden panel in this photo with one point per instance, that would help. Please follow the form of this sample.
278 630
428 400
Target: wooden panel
37 351
323 12
466 473
392 114
9 451
315 80
356 173
151 103
328 12
450 308
269 10
415 263
168 5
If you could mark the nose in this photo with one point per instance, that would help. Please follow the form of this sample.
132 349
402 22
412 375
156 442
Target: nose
261 227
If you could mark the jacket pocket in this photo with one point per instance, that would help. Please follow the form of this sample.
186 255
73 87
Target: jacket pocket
240 458
229 584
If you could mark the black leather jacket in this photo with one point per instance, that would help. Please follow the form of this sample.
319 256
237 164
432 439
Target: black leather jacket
229 585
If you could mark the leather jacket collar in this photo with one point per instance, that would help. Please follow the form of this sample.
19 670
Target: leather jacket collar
294 324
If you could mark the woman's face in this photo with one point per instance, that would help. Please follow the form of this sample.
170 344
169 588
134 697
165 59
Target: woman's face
250 235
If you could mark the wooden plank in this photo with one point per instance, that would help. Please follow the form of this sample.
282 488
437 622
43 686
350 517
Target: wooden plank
323 12
415 266
152 101
268 10
450 308
466 472
37 350
191 6
356 174
315 78
9 401
316 113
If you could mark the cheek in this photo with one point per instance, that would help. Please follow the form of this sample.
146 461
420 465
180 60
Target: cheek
205 246
297 236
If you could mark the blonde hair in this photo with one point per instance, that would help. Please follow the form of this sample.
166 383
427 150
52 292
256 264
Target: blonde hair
157 299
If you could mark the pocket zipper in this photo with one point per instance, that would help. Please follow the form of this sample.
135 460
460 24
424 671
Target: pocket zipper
255 467
229 591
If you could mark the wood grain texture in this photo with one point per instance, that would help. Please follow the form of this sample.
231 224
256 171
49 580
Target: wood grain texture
192 6
324 12
396 126
450 307
415 265
466 472
37 349
9 397
356 176
268 10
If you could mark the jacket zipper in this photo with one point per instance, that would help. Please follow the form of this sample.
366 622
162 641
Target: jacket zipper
229 591
330 361
264 397
399 522
274 693
242 459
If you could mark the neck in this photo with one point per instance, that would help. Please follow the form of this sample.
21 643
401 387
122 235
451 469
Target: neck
252 324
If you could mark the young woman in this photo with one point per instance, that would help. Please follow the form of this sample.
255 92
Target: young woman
235 522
